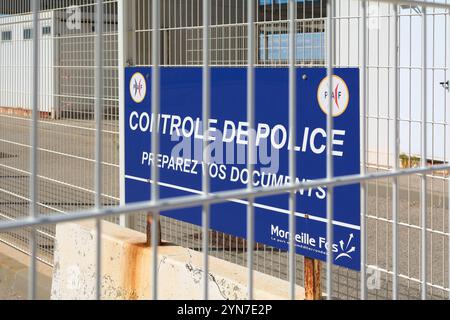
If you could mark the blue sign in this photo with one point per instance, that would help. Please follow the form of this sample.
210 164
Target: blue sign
181 156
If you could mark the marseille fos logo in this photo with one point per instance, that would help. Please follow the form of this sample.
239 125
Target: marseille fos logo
345 249
138 87
340 96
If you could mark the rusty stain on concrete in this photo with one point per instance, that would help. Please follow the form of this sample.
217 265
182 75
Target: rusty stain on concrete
133 269
128 276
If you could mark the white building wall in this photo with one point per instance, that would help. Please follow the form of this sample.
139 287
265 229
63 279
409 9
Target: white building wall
380 76
16 64
75 65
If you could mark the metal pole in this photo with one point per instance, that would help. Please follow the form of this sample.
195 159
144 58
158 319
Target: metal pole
330 171
206 111
363 138
155 140
123 51
417 3
34 145
98 136
293 135
395 180
215 198
252 144
423 194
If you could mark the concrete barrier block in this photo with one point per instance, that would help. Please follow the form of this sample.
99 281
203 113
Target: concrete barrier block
126 269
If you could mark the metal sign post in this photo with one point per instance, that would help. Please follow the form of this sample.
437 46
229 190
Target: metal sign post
313 281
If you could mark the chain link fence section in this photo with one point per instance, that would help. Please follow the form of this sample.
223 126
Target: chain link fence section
66 124
67 128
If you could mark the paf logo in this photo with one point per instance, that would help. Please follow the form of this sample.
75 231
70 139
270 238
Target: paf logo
138 87
340 96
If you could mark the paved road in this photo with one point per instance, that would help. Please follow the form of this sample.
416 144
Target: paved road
71 146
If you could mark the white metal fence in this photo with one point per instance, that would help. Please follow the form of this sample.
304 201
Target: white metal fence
51 147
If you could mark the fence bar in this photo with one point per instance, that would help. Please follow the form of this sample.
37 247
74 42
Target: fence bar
330 171
293 135
34 150
215 198
98 136
251 145
123 52
395 180
363 133
423 193
155 139
206 116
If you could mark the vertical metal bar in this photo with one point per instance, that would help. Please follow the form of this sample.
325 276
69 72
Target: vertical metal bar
252 145
423 194
206 110
98 136
293 135
363 138
395 180
155 138
34 146
330 173
123 51
447 51
410 129
135 53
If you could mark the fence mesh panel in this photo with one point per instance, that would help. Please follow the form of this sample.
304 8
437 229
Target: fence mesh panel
67 128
